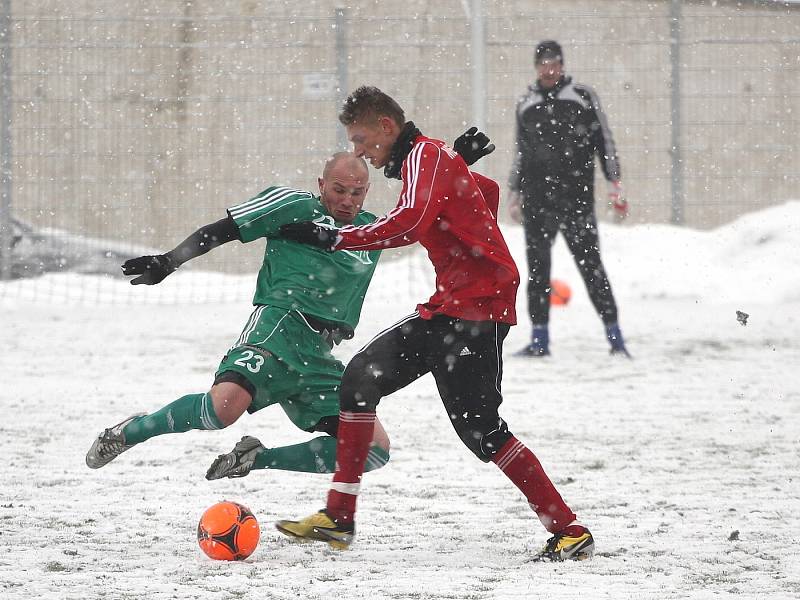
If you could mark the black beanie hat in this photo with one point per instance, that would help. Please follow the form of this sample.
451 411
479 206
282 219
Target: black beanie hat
548 49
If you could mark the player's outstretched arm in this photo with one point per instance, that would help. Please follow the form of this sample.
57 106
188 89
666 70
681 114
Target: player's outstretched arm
154 269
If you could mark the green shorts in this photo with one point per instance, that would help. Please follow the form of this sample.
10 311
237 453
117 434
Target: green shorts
288 363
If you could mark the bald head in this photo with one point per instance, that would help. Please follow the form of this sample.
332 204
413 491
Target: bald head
343 186
346 162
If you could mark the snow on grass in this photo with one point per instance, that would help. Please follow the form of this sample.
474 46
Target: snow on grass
683 461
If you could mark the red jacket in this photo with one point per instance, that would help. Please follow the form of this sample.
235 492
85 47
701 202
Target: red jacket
452 212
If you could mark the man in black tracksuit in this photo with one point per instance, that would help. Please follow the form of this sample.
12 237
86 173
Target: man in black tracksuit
560 127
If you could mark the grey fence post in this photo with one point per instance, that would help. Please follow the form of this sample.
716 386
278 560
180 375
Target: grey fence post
676 180
341 72
478 52
6 233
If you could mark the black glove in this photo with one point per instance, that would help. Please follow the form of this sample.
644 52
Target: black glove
151 269
473 145
313 234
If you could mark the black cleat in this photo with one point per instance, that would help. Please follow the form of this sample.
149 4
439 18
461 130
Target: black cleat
238 462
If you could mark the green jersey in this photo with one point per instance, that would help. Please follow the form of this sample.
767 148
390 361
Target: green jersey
327 285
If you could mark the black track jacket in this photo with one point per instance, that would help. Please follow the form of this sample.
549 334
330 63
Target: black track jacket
558 132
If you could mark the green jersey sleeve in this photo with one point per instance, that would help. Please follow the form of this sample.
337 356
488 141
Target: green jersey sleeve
262 215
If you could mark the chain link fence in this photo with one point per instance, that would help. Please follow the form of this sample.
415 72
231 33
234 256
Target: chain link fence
127 126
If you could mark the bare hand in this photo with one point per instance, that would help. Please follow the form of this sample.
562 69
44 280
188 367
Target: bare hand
617 201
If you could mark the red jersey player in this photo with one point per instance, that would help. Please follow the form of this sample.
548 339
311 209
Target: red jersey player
457 335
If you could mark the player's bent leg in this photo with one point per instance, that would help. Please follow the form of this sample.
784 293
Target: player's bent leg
194 411
210 411
314 456
375 371
470 391
377 456
230 401
571 540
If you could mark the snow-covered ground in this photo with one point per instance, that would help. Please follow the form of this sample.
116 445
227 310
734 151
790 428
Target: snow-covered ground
684 461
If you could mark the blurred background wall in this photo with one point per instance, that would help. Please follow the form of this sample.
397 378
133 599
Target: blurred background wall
136 122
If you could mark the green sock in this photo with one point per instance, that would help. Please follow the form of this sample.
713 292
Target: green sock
194 411
315 456
376 458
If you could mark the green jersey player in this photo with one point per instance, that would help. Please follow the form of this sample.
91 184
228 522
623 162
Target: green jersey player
306 300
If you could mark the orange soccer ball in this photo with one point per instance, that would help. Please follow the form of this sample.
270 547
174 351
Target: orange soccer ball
560 292
228 531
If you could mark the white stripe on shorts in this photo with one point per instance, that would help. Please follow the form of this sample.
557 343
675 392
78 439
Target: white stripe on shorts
248 328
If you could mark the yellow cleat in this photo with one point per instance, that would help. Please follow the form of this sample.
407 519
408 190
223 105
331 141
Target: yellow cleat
563 547
319 527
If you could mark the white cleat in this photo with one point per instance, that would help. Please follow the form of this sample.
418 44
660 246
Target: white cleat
109 445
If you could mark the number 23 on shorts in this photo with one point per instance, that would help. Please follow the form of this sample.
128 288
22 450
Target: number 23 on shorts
252 361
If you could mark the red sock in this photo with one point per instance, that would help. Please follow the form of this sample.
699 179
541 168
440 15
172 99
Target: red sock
522 467
354 437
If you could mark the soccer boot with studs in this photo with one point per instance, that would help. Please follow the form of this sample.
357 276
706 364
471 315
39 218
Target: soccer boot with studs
319 527
109 444
574 543
238 462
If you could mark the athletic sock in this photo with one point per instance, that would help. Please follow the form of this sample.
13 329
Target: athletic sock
354 437
574 529
195 411
314 456
522 467
376 458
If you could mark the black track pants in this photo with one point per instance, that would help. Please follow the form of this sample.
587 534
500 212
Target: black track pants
580 233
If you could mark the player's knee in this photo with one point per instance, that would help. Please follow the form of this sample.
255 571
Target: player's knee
484 442
492 442
358 399
359 391
472 440
229 401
